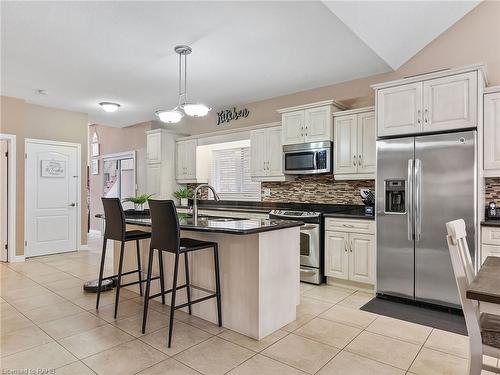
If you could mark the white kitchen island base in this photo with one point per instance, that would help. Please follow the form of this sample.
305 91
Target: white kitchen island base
260 277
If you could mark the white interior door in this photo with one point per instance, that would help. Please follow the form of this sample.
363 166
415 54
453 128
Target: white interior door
4 199
51 198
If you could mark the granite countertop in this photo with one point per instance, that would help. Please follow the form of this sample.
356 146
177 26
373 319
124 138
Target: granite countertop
354 213
223 225
486 285
491 223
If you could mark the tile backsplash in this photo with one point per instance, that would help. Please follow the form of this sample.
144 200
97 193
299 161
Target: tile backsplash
492 190
316 189
311 189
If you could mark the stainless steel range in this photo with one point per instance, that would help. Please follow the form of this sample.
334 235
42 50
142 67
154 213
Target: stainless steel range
311 251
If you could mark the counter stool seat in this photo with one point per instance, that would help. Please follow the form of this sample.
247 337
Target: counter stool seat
131 235
165 237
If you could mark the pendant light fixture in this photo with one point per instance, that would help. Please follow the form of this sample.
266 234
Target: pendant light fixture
183 106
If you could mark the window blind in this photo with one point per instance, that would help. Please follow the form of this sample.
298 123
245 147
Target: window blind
230 174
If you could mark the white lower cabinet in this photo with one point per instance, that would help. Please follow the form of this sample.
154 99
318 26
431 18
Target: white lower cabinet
490 242
350 250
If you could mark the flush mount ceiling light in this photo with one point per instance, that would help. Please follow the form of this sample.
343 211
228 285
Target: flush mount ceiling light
109 106
183 107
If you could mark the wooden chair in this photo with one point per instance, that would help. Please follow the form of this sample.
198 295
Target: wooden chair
483 329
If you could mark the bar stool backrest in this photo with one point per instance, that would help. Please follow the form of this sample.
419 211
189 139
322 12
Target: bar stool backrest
165 228
115 219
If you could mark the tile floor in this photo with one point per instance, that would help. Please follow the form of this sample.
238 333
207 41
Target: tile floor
47 321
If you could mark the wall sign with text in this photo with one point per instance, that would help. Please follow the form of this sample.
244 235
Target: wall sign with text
227 115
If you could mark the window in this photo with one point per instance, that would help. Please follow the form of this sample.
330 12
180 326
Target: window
230 174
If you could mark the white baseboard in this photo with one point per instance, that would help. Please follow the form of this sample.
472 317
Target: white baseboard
84 247
96 232
17 258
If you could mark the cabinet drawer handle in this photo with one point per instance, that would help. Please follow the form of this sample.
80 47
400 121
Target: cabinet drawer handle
348 225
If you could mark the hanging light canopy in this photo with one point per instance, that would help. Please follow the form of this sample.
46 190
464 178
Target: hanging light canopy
175 115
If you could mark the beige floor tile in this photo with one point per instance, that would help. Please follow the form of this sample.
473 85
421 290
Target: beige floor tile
301 353
75 368
69 282
299 322
169 367
304 287
51 355
23 339
15 282
328 332
53 312
184 336
264 366
94 341
432 362
203 324
252 344
71 325
126 309
214 356
357 299
384 349
312 306
31 291
400 329
128 358
13 321
346 363
31 303
346 315
51 277
448 342
133 324
328 293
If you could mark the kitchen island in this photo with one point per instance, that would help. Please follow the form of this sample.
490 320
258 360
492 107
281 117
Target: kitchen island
259 270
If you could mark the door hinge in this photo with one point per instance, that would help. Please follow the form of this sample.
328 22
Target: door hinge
26 156
6 154
6 247
25 243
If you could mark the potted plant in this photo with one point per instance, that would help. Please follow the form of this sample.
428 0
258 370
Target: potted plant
138 201
183 195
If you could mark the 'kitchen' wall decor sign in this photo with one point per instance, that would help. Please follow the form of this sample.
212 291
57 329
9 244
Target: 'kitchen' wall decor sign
227 115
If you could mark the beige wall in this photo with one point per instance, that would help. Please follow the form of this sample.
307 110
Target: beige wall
26 120
473 39
112 141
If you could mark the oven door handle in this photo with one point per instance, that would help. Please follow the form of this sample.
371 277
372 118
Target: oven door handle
303 270
308 227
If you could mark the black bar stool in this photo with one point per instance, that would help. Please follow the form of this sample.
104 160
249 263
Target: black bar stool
165 236
116 230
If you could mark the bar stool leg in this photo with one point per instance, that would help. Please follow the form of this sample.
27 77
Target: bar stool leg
217 284
118 282
148 286
188 288
101 270
162 276
172 303
139 265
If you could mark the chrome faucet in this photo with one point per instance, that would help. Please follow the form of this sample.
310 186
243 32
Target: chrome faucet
195 199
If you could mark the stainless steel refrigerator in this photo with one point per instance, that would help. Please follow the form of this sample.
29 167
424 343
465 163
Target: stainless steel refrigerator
422 183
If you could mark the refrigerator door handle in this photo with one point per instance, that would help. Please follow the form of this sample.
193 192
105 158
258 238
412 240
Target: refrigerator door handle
418 198
409 201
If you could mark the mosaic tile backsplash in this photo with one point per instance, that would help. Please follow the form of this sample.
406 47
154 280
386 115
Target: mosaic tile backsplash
492 190
312 189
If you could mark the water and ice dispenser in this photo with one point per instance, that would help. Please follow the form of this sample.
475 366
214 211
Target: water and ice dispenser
395 196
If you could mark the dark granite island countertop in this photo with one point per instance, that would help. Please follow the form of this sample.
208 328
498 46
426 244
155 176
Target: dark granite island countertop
223 225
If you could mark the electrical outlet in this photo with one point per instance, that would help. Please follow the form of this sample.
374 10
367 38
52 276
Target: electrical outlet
266 192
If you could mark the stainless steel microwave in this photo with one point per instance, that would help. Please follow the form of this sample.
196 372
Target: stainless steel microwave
307 158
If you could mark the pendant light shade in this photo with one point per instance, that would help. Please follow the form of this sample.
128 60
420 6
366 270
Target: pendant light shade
183 107
170 117
195 109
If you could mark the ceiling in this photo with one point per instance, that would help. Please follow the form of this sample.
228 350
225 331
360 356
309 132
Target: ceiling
86 52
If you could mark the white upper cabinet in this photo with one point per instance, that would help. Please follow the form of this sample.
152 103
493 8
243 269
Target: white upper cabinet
432 102
186 168
318 124
266 154
308 123
153 147
354 144
293 127
491 143
399 109
450 102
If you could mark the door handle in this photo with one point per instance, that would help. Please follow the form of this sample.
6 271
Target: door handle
409 201
345 247
419 116
418 196
350 245
354 161
72 205
426 116
359 160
